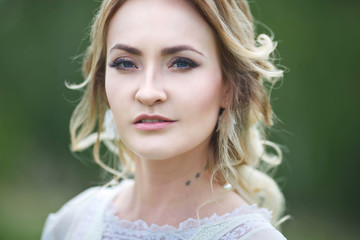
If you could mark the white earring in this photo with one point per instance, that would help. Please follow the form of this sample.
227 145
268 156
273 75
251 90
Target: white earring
109 126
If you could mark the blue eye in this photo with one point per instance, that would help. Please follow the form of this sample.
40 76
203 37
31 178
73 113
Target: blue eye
122 63
180 64
183 63
126 64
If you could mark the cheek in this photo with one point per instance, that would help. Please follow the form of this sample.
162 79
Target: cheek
115 93
117 99
109 93
111 90
203 102
206 94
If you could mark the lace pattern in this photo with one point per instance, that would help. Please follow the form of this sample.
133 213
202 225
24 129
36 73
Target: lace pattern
246 228
115 228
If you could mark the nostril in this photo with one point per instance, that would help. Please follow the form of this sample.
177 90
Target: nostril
150 95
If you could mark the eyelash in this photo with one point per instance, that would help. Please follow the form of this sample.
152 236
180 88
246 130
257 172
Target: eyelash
117 64
189 64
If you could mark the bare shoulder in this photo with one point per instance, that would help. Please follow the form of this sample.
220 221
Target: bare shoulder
224 201
233 199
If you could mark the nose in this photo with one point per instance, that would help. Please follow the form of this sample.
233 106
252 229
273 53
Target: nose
150 90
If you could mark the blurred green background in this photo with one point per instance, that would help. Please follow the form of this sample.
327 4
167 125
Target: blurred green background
318 104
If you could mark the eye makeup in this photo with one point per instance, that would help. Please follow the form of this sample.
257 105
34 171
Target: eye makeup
123 64
182 63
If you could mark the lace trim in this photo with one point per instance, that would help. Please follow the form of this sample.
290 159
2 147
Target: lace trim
245 229
191 223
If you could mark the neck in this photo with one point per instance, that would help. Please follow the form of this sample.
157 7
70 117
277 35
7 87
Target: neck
169 191
166 181
178 186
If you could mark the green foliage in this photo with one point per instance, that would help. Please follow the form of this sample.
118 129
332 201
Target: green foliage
317 104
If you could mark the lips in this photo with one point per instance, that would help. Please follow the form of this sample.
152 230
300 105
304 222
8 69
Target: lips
145 118
152 122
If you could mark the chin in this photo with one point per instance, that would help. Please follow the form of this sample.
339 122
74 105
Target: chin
155 153
158 152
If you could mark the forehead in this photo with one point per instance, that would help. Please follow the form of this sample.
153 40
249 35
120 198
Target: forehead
161 21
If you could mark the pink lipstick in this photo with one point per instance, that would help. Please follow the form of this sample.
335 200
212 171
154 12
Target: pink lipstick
152 122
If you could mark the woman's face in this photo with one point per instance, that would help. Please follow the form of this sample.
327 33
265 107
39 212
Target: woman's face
163 78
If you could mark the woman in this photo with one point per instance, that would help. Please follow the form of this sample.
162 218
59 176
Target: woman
180 85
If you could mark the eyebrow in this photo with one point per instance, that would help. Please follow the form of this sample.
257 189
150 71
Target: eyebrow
126 48
179 48
164 51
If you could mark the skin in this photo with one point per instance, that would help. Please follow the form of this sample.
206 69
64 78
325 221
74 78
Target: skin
148 73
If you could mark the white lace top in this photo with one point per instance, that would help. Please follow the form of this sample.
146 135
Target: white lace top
91 216
252 220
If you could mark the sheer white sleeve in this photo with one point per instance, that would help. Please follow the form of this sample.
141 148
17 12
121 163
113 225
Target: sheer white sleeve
58 224
80 217
269 234
254 230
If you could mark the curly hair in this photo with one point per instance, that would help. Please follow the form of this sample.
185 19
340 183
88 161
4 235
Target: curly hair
238 144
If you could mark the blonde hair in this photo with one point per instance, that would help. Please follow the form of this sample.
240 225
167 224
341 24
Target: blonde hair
238 144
